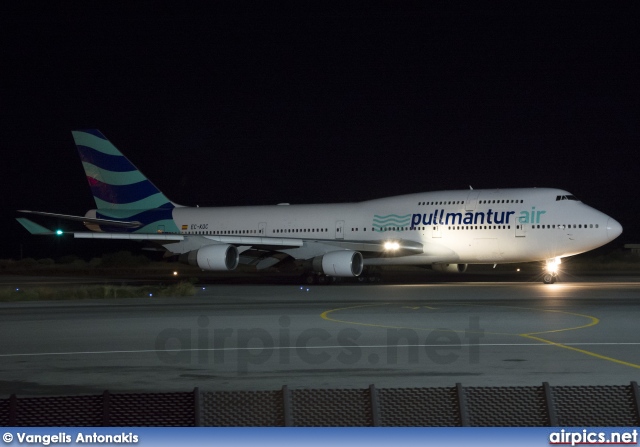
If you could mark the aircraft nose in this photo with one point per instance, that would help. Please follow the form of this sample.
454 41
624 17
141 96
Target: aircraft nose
614 229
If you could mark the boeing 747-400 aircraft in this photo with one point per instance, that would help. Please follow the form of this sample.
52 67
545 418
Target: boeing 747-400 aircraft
446 230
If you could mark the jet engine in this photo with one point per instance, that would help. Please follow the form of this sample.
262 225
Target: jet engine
339 263
222 257
450 268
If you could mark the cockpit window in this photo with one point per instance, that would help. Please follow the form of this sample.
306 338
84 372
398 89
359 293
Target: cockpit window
567 197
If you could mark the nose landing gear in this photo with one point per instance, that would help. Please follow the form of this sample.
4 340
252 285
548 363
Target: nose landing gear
549 277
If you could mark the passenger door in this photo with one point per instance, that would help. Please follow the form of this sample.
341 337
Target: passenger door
340 229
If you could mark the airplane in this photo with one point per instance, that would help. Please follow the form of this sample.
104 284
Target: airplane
443 230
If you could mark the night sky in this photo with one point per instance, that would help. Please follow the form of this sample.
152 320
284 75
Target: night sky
233 103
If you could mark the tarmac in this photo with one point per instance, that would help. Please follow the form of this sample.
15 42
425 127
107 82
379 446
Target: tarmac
263 336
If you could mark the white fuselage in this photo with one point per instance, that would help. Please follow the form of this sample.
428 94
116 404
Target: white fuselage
466 226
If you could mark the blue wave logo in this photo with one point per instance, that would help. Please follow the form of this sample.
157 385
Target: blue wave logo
390 220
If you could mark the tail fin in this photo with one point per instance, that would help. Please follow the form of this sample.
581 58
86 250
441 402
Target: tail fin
116 184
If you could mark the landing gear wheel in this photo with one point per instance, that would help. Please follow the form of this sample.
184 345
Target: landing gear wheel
310 279
549 278
370 275
323 279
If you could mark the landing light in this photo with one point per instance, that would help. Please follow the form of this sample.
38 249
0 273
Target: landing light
175 273
552 265
391 246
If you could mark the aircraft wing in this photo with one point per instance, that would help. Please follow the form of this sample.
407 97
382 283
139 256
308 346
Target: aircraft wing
193 242
259 251
299 248
110 222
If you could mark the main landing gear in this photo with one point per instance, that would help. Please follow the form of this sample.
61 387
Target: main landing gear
369 278
319 279
369 275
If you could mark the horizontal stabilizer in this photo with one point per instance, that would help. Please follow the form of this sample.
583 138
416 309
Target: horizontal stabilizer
110 222
33 227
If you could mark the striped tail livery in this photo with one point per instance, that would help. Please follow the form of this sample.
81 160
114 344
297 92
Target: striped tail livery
120 190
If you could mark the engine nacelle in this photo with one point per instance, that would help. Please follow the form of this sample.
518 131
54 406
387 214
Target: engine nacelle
339 263
214 257
450 268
